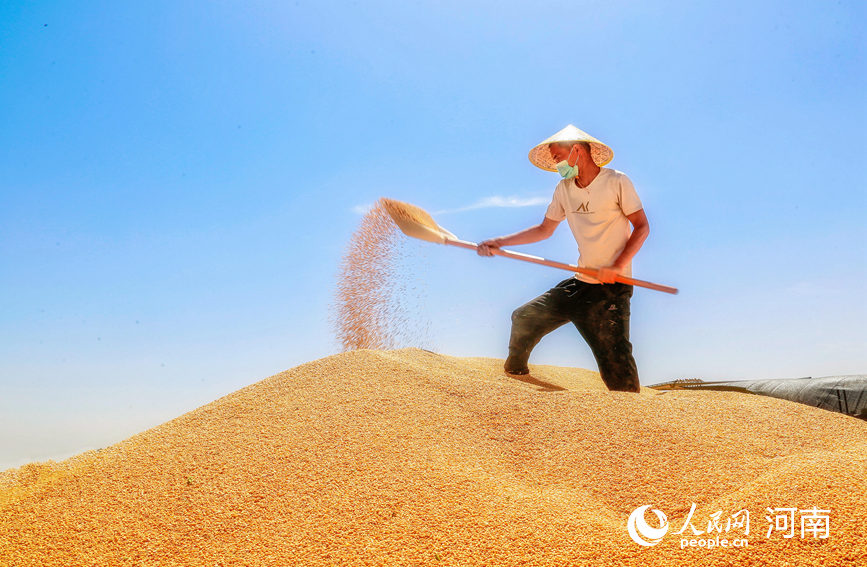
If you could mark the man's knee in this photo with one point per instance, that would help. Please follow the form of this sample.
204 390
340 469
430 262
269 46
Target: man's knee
521 314
516 315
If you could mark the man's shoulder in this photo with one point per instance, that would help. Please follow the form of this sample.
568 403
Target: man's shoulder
614 174
617 180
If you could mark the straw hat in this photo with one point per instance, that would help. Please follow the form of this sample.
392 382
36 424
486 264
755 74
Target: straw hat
541 155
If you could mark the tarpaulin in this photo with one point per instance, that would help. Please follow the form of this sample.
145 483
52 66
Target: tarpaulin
844 394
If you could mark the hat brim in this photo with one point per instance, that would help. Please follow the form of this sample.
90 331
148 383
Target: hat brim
541 157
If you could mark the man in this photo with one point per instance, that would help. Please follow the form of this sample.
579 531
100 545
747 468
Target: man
599 204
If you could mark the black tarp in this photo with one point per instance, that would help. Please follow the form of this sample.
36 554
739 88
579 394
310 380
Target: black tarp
844 394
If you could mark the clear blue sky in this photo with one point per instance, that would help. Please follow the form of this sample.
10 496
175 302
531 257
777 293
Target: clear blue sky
178 181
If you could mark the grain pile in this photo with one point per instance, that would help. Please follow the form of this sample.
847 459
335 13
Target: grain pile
412 458
376 302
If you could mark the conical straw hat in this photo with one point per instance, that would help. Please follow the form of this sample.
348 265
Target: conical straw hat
541 157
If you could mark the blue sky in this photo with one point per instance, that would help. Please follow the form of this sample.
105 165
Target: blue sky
178 181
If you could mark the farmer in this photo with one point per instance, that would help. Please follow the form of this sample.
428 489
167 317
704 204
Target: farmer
599 204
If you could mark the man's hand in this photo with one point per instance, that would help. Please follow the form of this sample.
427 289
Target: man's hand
609 273
535 233
485 248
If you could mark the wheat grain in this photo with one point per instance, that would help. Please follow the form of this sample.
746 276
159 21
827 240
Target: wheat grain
411 458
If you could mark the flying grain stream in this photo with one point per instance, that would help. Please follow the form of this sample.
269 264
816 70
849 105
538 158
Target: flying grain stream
376 301
362 316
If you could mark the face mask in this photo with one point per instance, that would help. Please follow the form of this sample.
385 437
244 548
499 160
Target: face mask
567 171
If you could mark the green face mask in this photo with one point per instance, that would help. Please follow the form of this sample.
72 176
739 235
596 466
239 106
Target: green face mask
567 171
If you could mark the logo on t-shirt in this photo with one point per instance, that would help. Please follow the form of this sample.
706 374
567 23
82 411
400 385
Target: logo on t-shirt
582 208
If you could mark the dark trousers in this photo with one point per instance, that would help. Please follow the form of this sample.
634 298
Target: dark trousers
601 314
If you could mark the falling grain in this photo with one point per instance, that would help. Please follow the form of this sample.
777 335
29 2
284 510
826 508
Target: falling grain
362 314
377 298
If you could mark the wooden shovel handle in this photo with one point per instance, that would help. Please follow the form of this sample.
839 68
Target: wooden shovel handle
545 262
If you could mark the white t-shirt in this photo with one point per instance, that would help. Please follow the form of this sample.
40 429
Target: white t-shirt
597 216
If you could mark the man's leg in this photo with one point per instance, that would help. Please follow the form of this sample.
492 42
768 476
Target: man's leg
603 321
532 321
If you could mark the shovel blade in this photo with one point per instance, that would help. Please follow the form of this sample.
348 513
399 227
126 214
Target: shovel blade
416 222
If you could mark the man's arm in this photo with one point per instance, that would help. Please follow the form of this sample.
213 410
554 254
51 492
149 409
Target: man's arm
640 230
535 233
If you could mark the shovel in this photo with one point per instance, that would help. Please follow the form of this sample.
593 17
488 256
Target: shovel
417 223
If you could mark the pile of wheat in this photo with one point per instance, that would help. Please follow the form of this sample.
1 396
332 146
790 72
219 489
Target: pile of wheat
412 458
